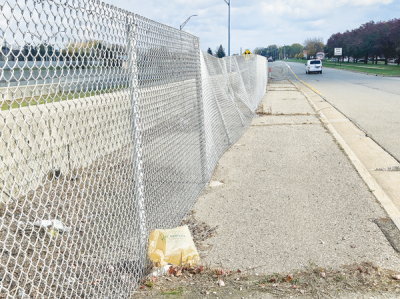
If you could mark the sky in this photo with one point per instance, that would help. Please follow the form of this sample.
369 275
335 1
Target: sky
254 23
263 22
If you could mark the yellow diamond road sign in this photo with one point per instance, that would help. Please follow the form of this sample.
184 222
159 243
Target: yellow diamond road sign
247 52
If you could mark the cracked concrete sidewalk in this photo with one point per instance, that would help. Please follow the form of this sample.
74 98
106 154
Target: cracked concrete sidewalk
290 196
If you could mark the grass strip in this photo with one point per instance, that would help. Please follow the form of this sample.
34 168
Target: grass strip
54 98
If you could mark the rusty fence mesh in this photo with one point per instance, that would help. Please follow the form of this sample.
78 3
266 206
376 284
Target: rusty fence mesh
110 126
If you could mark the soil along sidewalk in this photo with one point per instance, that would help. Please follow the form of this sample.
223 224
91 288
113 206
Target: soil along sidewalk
290 197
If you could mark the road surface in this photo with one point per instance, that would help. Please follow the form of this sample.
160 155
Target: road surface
372 102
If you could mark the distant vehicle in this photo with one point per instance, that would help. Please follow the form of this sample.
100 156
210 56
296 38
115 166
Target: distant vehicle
270 60
320 55
314 66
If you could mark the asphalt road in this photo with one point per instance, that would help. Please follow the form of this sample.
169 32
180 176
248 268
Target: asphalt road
370 101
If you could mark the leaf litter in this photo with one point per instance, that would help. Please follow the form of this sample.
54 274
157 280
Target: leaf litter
202 281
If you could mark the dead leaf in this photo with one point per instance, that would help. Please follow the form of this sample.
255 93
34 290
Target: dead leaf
289 278
272 280
178 273
239 271
153 279
171 270
223 272
95 282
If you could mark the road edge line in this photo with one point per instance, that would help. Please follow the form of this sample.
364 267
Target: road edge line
375 188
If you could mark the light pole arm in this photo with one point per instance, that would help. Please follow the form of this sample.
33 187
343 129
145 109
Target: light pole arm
183 25
229 26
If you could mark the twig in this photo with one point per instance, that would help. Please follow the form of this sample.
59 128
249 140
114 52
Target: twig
207 234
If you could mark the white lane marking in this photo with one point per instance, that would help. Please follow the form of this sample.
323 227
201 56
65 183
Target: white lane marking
287 65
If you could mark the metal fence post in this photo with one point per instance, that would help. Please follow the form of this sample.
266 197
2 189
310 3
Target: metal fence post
137 137
200 101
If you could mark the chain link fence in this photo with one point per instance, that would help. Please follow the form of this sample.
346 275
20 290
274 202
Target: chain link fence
110 126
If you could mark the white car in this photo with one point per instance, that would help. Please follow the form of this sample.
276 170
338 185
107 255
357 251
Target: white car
314 66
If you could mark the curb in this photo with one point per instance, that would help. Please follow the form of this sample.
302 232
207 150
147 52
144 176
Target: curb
378 192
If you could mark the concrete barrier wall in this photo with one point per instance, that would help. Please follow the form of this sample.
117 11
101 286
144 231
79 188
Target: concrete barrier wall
36 140
68 135
18 92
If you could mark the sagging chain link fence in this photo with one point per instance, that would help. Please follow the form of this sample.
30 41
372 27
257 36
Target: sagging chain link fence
111 125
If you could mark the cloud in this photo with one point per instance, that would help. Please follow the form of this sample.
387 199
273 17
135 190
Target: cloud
259 22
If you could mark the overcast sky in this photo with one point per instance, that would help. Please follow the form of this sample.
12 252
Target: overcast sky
263 22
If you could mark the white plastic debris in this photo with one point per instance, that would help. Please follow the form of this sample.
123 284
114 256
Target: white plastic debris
57 224
215 184
160 271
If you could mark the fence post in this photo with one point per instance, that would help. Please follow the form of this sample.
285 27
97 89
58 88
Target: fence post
137 138
200 101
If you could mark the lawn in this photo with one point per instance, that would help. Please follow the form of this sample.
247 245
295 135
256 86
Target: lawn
53 98
378 69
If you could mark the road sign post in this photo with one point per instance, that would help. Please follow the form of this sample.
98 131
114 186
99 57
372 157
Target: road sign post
338 52
247 54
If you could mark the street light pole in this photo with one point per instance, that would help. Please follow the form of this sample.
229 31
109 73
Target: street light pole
229 26
284 52
184 23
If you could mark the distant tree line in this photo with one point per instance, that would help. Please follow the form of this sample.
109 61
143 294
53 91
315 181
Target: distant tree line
274 51
74 51
369 40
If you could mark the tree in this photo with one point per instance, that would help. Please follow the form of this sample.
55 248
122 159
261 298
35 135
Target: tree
395 33
313 45
370 39
293 50
209 51
220 52
384 42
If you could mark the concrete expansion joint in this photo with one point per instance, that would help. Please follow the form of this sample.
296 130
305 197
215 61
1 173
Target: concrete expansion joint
284 124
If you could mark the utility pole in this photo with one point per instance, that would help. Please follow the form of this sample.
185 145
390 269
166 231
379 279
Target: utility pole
229 26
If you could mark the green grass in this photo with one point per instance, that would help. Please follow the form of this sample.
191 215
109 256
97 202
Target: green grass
53 98
173 292
377 69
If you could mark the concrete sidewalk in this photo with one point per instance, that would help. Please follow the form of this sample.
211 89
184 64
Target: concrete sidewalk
290 196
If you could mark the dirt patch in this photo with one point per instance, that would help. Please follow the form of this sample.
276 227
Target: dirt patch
313 282
201 281
200 231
